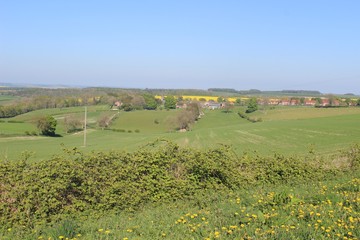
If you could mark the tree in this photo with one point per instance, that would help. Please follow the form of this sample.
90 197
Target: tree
47 125
150 102
228 107
332 99
302 100
170 102
127 107
347 101
111 101
72 124
188 116
358 102
184 119
318 101
194 109
137 102
238 102
220 99
252 106
104 122
126 99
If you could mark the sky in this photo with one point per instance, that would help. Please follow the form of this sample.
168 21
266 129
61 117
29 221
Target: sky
260 44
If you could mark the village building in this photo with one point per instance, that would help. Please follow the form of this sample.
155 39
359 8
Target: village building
213 105
310 102
285 103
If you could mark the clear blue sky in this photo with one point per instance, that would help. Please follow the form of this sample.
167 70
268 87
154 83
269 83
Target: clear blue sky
263 44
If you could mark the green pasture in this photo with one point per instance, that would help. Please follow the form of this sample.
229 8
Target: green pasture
288 130
287 136
145 121
16 128
59 112
93 113
299 112
6 99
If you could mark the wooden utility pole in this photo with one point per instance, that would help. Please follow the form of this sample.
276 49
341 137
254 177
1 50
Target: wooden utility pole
85 126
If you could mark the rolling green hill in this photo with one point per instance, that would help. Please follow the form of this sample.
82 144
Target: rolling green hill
289 130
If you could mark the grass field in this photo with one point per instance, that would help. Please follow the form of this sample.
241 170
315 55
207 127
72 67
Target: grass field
288 130
145 121
16 128
295 113
6 99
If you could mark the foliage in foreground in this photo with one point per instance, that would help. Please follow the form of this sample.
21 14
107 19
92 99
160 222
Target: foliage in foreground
77 184
324 210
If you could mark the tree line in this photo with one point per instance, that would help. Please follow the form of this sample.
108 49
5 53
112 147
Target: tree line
43 99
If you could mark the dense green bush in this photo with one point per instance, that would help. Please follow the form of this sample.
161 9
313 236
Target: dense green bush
47 125
252 105
245 116
33 193
118 130
14 121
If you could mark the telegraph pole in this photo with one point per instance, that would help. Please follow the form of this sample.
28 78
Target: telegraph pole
85 126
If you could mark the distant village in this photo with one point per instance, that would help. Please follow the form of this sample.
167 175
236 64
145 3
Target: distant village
212 102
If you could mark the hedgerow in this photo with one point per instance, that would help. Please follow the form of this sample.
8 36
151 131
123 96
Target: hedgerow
39 192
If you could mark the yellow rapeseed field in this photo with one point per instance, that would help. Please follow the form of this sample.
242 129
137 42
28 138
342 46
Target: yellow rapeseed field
207 98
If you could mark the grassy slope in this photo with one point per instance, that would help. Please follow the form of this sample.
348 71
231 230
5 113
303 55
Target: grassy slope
57 112
8 128
144 121
329 130
286 130
293 113
6 99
